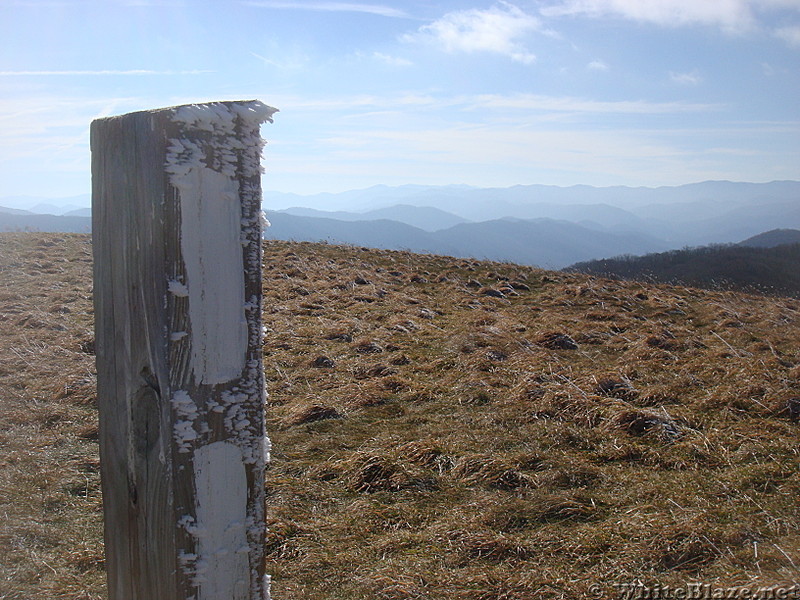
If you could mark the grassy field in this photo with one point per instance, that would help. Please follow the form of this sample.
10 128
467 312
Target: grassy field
442 428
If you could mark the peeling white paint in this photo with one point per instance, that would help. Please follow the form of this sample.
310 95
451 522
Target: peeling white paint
213 166
266 585
222 142
222 548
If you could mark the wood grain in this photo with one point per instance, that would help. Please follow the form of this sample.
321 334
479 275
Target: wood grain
144 344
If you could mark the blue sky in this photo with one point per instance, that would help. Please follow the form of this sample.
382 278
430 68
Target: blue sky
485 93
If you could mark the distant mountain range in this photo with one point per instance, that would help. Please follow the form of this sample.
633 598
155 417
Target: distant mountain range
700 213
543 225
547 226
421 217
50 206
544 242
22 220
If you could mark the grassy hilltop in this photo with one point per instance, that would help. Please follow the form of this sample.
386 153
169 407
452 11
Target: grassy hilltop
442 428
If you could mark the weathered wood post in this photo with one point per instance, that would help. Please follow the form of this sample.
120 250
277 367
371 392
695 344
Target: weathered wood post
176 227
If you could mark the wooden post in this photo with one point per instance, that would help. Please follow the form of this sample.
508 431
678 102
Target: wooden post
176 231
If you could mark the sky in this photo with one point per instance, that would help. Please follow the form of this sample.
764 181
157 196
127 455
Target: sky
429 92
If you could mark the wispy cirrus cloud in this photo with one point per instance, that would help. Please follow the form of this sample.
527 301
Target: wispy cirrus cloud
394 61
83 3
42 4
100 72
568 104
790 35
691 78
283 61
729 14
732 16
373 9
499 103
487 154
49 133
597 65
499 29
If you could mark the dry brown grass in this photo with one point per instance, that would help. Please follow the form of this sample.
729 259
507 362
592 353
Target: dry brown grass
50 511
434 439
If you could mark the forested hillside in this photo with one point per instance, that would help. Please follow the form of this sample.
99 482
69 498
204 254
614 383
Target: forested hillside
773 270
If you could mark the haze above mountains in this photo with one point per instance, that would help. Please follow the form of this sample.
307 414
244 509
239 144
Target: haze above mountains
548 226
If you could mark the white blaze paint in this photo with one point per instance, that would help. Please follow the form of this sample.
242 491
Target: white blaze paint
221 523
205 165
210 230
213 165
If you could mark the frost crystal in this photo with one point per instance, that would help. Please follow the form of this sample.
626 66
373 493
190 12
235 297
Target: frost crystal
214 166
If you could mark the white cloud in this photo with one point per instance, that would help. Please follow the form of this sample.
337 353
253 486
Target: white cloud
790 35
282 60
492 154
732 16
497 30
358 104
692 78
501 103
492 139
43 3
597 65
393 61
99 73
567 104
795 4
373 9
50 134
153 3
